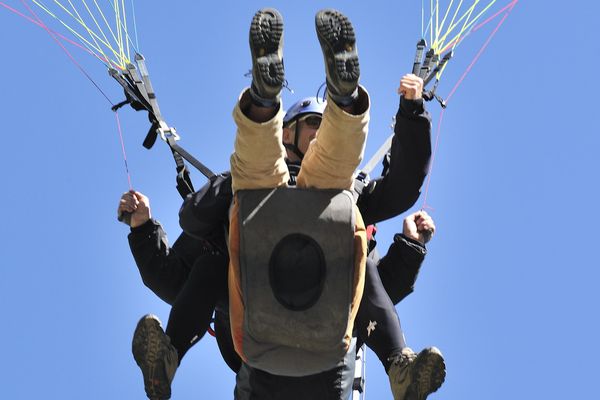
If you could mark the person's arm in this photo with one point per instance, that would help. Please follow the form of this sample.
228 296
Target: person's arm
163 269
405 166
400 267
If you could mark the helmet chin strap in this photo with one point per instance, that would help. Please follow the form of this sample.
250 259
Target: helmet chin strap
294 147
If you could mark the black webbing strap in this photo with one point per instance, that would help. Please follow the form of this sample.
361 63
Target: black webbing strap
419 56
140 95
428 68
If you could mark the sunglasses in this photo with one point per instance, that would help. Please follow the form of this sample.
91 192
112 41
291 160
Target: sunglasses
312 121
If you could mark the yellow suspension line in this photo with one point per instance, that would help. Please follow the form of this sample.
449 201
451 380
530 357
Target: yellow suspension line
112 33
128 39
95 21
431 21
96 47
456 40
83 40
443 23
437 19
89 31
125 28
464 18
119 31
456 13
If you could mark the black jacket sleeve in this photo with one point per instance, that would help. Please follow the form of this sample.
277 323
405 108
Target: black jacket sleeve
405 166
205 213
164 269
399 268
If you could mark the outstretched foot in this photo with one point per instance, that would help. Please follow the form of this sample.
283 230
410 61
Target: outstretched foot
266 46
156 357
338 44
415 376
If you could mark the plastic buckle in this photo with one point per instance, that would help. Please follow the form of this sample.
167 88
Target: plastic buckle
167 132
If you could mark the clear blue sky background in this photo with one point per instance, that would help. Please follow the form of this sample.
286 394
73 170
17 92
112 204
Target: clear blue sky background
509 290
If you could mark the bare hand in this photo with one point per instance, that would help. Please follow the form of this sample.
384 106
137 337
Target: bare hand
137 205
419 226
411 87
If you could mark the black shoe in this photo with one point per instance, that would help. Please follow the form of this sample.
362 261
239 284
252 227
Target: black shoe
266 46
338 43
156 357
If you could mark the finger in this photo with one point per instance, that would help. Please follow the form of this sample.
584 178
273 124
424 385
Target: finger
125 208
424 220
426 228
141 197
410 85
410 89
426 236
126 202
410 81
130 207
411 219
130 197
427 217
411 78
428 221
418 217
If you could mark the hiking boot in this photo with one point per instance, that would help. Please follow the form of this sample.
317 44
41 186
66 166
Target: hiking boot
338 43
266 46
415 376
156 357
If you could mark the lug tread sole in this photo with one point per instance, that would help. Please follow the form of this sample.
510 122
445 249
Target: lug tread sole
146 348
266 35
337 38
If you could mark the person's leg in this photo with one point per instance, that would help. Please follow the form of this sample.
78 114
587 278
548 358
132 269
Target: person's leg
377 323
332 158
224 339
411 375
158 353
258 160
156 357
193 309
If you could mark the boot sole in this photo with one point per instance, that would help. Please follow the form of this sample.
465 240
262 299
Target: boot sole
266 44
429 373
338 43
146 347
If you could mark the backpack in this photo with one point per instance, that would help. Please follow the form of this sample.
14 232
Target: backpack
296 277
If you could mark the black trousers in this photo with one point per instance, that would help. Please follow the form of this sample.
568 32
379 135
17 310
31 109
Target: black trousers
377 324
192 311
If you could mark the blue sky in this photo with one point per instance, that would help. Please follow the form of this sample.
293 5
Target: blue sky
508 290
